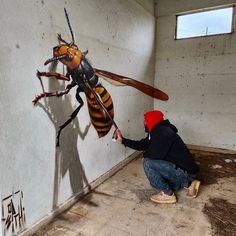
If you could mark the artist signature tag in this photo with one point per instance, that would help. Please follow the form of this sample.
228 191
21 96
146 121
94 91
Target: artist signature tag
13 214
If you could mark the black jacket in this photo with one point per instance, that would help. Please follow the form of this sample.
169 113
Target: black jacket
165 144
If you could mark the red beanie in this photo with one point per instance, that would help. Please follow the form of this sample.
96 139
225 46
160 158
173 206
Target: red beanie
152 118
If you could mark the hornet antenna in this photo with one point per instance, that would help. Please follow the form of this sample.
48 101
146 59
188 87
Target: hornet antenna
68 21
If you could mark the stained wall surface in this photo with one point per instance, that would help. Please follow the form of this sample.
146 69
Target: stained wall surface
199 76
119 35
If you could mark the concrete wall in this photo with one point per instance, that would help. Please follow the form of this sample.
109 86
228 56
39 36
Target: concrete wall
199 76
119 35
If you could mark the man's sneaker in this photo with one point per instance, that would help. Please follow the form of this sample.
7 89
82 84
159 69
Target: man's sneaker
192 190
163 198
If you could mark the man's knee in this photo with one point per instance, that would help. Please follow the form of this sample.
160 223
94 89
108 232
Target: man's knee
154 164
148 164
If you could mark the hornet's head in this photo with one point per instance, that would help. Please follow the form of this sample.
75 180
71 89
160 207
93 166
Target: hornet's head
67 53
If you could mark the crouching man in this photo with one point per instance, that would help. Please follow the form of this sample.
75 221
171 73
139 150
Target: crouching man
168 164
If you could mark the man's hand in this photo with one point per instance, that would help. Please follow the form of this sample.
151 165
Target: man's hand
118 135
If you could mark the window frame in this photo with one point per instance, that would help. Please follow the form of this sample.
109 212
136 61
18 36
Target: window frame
205 10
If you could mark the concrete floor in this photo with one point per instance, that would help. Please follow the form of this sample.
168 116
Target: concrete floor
121 206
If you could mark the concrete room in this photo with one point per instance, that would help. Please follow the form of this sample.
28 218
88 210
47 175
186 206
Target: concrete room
94 186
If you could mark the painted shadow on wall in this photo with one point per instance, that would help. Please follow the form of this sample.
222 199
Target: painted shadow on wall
58 110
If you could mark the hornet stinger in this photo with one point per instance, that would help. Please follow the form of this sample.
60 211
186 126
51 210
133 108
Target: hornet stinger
85 77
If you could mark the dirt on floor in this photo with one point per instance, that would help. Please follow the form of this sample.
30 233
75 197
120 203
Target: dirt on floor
222 216
214 166
220 212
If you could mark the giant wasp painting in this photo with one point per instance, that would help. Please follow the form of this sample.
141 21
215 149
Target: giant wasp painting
85 77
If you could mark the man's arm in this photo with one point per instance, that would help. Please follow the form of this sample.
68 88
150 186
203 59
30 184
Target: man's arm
139 145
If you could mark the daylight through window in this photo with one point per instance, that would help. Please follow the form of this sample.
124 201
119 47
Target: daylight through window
205 23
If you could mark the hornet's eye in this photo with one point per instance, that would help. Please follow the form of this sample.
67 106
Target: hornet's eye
56 51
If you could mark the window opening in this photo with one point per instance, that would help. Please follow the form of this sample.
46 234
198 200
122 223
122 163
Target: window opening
211 22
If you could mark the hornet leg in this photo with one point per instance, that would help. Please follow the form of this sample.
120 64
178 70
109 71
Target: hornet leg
72 116
50 94
52 74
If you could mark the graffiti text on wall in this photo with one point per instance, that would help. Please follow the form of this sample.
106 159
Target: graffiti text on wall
13 213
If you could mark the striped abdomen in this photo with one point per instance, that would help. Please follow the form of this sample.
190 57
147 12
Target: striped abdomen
101 123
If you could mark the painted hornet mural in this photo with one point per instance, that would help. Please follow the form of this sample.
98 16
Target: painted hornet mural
86 78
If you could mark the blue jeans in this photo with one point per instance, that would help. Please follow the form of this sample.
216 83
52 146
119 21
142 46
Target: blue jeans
165 176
